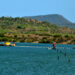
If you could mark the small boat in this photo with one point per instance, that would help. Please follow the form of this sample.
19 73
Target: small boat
7 44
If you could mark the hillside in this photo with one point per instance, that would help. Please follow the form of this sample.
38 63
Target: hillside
54 19
24 25
30 30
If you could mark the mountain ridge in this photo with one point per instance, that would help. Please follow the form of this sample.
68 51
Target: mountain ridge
54 19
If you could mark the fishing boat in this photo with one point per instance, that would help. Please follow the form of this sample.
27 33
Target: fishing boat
7 44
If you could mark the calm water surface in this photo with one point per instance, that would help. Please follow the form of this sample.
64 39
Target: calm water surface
37 61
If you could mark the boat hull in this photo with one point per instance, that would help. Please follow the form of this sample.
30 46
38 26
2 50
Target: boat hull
2 45
7 45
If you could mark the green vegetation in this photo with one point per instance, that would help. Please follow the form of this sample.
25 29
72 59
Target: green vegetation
30 30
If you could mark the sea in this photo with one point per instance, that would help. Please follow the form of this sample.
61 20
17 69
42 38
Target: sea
37 59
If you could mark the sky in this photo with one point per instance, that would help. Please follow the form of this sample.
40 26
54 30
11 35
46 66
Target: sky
21 8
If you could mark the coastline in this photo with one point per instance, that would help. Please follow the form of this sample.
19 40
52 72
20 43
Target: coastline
33 38
36 42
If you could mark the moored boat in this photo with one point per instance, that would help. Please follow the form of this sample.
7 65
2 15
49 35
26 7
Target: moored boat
7 44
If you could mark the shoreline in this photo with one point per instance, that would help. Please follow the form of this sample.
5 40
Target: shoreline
33 38
36 42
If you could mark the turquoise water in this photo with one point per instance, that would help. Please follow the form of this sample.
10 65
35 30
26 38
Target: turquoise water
37 60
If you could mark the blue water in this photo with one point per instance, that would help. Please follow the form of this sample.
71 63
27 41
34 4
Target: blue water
37 61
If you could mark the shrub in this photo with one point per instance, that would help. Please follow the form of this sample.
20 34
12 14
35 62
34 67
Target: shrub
57 35
44 41
1 34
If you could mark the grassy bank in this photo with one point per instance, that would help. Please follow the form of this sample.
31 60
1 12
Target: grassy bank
30 30
33 38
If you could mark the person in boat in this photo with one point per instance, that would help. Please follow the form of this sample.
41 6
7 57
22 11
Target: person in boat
7 44
13 44
54 45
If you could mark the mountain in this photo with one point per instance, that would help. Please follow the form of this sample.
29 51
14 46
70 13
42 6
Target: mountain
54 19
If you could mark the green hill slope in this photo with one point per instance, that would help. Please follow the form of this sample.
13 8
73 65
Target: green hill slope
23 25
30 30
